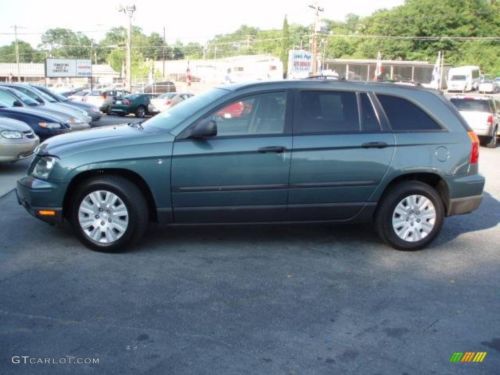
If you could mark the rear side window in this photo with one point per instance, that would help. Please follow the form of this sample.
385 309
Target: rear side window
369 120
406 116
327 112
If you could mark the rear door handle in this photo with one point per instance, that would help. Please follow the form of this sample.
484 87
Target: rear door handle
276 149
374 145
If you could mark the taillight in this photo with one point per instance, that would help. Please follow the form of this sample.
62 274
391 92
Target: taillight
168 102
474 153
126 102
490 120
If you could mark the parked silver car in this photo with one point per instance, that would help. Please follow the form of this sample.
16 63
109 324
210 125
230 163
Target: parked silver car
17 140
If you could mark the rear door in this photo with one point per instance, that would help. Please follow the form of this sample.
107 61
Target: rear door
340 155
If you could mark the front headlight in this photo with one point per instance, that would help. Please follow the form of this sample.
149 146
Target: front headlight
11 134
49 125
43 167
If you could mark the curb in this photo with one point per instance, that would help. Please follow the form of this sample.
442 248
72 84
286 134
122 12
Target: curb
7 193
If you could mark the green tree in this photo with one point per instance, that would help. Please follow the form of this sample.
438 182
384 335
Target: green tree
66 43
27 54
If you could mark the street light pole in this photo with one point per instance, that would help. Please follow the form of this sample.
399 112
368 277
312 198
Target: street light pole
129 11
317 9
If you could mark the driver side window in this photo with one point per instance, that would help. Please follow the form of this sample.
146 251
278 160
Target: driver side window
252 115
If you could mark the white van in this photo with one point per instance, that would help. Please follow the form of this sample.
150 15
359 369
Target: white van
464 78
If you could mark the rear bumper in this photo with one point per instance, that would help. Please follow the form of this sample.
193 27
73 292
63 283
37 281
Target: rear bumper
466 194
460 206
38 198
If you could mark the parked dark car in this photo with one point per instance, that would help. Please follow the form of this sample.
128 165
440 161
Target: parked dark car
91 110
15 98
297 151
138 104
160 88
43 124
81 119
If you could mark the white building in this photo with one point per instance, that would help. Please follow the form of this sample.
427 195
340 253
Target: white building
35 72
242 68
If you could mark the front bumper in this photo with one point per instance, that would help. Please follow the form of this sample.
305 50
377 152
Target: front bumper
41 199
13 151
80 126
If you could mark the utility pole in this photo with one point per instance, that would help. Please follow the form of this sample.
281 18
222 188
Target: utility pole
129 11
317 9
15 27
164 44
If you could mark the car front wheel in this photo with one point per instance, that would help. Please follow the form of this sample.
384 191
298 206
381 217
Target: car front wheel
410 216
109 213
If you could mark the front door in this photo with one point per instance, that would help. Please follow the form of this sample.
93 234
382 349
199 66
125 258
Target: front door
340 155
241 174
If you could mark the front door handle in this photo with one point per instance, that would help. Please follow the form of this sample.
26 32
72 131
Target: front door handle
275 149
374 145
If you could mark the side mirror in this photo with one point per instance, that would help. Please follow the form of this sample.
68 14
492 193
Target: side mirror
204 129
17 103
39 100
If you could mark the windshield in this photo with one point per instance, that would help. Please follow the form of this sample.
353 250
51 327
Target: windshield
52 94
471 105
458 78
44 96
25 98
27 92
175 115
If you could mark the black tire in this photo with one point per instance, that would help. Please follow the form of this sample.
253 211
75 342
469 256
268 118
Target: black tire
141 111
493 140
132 198
387 205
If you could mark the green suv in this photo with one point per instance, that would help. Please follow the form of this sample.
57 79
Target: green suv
269 152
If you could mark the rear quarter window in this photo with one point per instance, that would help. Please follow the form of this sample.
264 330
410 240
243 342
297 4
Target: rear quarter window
403 115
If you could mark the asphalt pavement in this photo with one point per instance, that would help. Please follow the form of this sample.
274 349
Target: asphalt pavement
302 299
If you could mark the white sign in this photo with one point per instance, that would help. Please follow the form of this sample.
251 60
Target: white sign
299 63
55 68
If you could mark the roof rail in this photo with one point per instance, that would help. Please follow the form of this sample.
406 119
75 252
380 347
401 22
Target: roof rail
326 76
401 82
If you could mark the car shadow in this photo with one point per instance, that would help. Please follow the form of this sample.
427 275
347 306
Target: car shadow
486 217
306 236
345 236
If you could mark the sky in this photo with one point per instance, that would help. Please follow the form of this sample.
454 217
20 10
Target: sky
184 20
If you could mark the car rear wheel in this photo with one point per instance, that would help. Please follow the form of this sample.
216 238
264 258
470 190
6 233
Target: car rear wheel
109 213
410 216
493 140
140 112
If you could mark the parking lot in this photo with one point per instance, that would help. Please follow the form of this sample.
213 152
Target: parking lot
302 299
